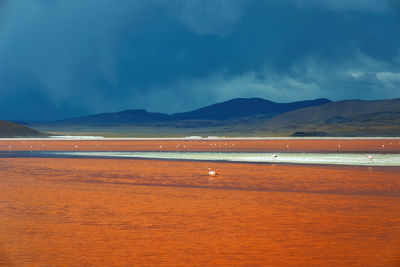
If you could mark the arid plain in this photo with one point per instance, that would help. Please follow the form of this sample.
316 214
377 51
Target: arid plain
135 212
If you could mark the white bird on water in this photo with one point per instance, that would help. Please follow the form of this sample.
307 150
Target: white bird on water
370 158
211 172
274 156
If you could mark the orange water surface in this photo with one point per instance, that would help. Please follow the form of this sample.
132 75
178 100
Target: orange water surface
376 145
129 212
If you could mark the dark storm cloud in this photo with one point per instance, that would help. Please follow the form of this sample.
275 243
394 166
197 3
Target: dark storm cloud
345 5
66 58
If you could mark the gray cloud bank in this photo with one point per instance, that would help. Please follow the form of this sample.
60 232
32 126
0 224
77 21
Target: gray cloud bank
67 58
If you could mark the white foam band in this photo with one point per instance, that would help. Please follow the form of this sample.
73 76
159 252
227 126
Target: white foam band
298 158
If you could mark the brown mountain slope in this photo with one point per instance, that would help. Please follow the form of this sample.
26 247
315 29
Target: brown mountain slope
10 129
338 112
342 118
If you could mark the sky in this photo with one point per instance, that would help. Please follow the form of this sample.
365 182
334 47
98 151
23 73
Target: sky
61 59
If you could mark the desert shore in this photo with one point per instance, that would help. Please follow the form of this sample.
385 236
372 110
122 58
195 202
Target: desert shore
375 145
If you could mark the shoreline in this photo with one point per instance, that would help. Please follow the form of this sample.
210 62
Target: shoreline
300 159
272 145
209 138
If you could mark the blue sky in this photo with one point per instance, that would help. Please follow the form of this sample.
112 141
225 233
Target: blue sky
60 59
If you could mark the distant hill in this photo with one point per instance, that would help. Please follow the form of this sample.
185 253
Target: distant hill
130 116
243 107
339 112
342 118
10 129
235 108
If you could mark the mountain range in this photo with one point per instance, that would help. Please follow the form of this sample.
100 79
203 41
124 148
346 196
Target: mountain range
240 117
232 109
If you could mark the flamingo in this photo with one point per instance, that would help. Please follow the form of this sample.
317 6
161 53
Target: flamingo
211 172
370 158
